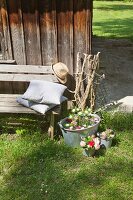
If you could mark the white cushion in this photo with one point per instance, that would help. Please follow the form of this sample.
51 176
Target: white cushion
41 108
44 92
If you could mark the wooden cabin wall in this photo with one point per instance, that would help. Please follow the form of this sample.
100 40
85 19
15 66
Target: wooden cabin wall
42 32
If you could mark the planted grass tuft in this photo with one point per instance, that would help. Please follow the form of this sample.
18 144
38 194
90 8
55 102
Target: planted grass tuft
34 167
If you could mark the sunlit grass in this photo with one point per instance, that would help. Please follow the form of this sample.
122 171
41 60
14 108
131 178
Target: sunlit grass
34 167
113 19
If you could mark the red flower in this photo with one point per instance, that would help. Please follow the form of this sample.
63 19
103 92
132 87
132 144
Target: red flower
91 143
68 120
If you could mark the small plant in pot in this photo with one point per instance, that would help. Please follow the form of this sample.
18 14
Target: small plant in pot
106 138
90 144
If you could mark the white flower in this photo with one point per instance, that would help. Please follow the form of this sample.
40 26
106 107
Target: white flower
97 143
103 76
82 144
97 146
103 135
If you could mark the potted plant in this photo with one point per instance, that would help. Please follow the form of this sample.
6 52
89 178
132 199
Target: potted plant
78 124
89 145
106 138
81 122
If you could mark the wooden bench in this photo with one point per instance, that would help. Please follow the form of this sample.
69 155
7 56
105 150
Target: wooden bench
13 76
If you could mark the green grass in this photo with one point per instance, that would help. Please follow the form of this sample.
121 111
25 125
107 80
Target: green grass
34 168
113 19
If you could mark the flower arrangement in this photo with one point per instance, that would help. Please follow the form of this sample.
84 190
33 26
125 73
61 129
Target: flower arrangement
79 119
107 134
90 142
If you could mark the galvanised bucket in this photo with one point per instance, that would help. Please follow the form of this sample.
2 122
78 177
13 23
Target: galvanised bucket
73 137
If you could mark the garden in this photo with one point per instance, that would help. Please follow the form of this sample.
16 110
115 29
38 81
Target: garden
32 166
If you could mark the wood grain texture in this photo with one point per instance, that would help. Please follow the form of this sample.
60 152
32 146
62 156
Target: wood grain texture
30 22
48 29
65 32
8 54
44 32
13 109
16 28
8 104
31 69
26 77
7 62
81 30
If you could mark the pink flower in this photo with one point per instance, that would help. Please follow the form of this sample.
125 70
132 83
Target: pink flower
78 127
82 144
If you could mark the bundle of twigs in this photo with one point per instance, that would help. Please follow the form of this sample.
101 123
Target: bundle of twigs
84 78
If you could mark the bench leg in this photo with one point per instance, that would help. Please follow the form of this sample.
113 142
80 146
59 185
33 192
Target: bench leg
52 131
55 117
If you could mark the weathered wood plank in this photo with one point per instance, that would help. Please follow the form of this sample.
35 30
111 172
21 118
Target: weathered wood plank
26 77
2 42
26 69
16 27
81 36
12 96
22 109
9 103
9 99
6 31
37 15
33 51
7 62
48 30
65 32
89 26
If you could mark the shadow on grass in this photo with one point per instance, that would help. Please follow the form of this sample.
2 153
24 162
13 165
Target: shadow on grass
115 142
115 7
54 171
117 28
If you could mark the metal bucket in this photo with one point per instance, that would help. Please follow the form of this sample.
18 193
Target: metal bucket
73 137
106 143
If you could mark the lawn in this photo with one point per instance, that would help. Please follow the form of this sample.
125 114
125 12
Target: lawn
34 168
113 19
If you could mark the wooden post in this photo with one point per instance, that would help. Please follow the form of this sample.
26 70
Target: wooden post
55 116
52 131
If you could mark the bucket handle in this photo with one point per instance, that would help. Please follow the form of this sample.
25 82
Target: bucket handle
60 125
